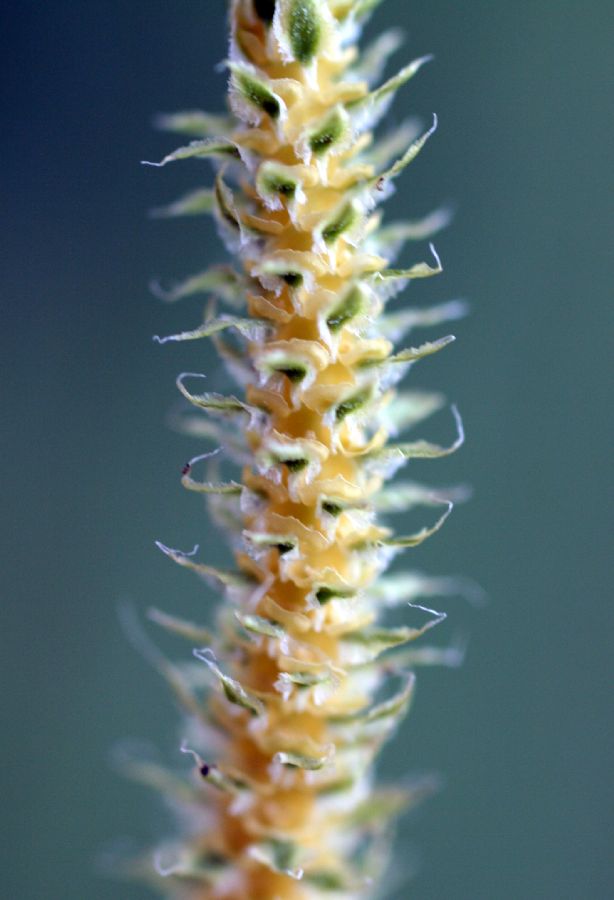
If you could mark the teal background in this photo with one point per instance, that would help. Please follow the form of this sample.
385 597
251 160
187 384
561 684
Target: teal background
522 732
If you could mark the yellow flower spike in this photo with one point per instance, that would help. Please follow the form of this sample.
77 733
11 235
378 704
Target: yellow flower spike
301 682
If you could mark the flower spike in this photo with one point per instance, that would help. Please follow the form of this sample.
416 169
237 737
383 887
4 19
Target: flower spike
294 690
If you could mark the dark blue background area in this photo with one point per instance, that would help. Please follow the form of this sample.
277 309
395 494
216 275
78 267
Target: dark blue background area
522 732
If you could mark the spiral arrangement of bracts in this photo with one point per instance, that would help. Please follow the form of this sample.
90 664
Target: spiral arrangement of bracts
302 682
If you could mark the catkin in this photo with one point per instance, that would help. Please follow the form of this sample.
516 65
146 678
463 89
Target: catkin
291 697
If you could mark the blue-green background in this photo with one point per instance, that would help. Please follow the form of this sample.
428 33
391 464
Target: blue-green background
523 731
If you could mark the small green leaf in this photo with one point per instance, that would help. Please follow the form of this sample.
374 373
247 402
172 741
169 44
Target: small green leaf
294 368
326 880
391 238
254 91
233 440
294 465
305 679
328 133
387 637
369 643
338 786
281 542
395 325
406 495
225 205
293 372
209 487
221 576
224 782
410 407
278 855
260 625
391 144
325 593
176 679
380 806
213 147
301 761
333 507
409 155
391 86
451 657
294 278
249 328
188 873
194 122
401 587
196 203
379 639
276 180
424 449
189 630
352 404
413 540
221 281
353 304
304 29
210 401
372 60
339 223
355 10
393 280
292 457
363 8
411 354
233 690
133 765
392 709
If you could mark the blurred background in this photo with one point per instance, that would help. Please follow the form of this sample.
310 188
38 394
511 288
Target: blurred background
520 733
